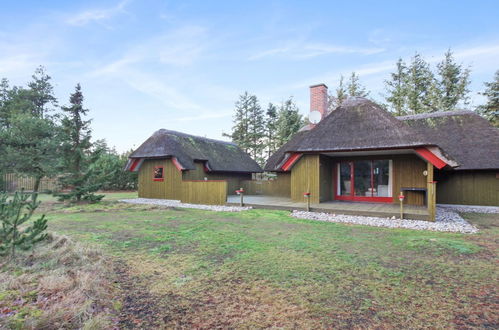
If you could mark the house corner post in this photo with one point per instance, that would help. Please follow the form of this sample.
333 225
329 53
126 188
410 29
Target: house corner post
431 193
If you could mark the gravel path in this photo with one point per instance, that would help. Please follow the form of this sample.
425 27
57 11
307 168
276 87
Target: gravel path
447 220
470 208
178 204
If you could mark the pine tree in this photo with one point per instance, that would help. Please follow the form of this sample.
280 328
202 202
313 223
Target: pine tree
420 87
240 130
270 129
490 110
76 148
337 99
256 130
27 132
15 213
453 82
397 89
41 93
289 121
355 88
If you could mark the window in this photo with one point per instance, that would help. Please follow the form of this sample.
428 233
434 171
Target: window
158 173
364 180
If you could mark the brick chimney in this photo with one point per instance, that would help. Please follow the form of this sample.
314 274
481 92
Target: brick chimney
318 99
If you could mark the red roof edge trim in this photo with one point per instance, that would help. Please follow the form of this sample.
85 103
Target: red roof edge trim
135 164
290 162
177 164
431 157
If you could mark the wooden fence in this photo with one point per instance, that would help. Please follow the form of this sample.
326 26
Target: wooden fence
13 182
204 192
278 187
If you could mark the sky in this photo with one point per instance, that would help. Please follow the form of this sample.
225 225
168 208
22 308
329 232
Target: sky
181 65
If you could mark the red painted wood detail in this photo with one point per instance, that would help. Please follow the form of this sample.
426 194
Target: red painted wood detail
290 162
352 196
430 157
135 162
177 164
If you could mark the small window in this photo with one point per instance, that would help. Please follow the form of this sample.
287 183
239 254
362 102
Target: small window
158 173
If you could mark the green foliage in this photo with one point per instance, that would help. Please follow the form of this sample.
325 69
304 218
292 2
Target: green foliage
270 129
397 89
77 156
14 213
490 110
27 131
289 121
353 88
108 171
414 88
453 82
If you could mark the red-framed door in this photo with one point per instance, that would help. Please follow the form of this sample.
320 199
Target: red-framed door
363 181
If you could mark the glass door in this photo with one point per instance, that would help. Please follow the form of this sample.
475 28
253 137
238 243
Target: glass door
364 180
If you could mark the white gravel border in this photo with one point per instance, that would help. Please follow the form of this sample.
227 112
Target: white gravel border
470 208
178 204
447 221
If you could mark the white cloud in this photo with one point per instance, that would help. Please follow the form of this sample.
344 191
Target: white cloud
302 50
96 15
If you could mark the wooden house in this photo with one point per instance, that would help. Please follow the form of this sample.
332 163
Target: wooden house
359 152
193 169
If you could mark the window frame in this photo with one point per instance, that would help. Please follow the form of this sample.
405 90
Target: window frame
162 173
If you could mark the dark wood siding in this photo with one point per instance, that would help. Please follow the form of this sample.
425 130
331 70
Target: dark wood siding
408 173
468 187
326 178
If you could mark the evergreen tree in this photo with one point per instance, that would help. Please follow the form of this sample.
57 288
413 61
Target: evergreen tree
76 151
28 134
15 214
420 87
355 88
335 100
240 130
41 93
270 129
289 121
397 89
452 84
490 110
256 130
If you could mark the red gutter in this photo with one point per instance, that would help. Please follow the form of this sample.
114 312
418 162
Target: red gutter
430 157
290 162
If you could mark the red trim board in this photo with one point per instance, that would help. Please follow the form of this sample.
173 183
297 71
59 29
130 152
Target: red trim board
430 157
290 162
177 164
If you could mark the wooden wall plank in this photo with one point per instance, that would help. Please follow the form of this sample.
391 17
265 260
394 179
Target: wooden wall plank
305 178
468 187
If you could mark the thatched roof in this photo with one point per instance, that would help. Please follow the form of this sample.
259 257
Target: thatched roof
358 124
220 156
467 137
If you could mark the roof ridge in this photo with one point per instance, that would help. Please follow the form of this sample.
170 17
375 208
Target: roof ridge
164 130
437 114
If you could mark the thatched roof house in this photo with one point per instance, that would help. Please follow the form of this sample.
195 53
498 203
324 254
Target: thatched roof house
217 156
361 152
466 136
174 165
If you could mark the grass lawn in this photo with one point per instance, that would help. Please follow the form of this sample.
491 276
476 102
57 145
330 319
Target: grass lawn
193 268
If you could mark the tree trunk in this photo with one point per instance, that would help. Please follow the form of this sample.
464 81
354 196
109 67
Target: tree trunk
38 179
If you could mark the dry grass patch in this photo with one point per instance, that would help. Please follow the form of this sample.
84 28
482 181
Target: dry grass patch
60 285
